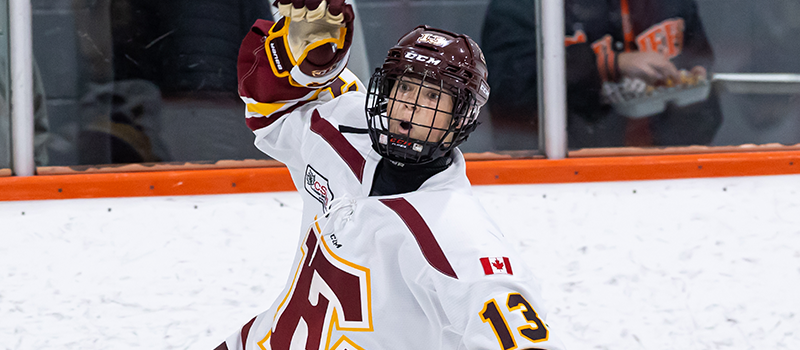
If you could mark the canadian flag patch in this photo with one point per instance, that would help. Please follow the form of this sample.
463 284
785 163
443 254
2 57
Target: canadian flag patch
496 265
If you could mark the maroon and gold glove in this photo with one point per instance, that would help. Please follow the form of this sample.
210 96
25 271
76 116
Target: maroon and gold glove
319 34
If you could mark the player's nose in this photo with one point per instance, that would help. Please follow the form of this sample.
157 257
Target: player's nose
407 111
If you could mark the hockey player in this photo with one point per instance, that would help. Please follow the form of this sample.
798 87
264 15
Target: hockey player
395 251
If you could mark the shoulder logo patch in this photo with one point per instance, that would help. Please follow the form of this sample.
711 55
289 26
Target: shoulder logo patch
318 187
496 265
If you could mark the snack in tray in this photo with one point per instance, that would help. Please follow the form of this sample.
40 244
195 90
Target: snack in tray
633 98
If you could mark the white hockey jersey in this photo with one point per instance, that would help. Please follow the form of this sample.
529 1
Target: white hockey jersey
422 270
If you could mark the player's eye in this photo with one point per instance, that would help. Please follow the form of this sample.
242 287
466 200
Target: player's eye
433 94
404 87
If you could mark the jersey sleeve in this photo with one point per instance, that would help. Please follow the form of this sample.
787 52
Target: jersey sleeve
280 98
493 298
506 315
500 311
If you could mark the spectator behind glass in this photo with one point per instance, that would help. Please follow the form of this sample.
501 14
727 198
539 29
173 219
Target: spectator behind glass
664 37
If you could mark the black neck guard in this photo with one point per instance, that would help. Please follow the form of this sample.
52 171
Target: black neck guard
393 177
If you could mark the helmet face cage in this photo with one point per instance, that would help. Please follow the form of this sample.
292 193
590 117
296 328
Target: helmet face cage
410 118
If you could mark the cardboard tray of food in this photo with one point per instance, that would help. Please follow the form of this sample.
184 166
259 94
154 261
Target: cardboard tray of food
655 99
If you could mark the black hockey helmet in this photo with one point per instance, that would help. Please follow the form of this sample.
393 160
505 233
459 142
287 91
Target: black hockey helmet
427 63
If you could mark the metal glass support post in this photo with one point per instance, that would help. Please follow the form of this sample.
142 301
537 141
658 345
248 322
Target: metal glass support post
539 73
552 79
758 83
21 57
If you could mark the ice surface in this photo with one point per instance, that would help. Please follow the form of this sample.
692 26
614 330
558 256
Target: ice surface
679 264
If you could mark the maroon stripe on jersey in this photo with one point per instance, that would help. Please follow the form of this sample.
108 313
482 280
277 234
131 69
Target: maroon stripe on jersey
422 233
255 123
222 346
246 332
349 154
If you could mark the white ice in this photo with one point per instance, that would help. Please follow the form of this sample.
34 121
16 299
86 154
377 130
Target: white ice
679 264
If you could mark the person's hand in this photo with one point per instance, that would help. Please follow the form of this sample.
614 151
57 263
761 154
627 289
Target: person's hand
316 26
651 67
700 72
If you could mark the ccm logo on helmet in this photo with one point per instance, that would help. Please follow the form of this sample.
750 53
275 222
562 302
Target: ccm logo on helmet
422 58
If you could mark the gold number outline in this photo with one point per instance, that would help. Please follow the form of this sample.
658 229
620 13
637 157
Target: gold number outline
536 330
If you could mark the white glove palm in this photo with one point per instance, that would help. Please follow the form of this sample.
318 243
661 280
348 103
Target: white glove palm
317 35
312 23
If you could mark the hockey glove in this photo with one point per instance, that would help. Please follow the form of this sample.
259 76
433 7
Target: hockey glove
319 36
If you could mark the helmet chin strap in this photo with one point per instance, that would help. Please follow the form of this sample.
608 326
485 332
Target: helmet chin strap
404 149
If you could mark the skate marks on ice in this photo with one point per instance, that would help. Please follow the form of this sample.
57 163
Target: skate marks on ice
141 273
683 264
699 264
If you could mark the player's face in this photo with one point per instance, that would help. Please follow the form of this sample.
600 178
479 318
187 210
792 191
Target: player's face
419 110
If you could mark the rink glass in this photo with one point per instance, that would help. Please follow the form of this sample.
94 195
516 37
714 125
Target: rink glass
153 82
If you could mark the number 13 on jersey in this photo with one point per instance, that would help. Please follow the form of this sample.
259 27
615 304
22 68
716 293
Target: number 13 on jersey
534 330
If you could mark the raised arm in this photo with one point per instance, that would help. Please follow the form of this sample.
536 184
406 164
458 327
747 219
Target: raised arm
287 67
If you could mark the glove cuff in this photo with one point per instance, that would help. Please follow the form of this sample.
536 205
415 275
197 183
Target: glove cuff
318 64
